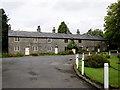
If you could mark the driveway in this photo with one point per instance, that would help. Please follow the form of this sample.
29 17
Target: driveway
41 72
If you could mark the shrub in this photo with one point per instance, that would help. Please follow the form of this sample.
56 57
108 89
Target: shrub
34 54
15 55
96 61
66 52
19 55
105 54
118 55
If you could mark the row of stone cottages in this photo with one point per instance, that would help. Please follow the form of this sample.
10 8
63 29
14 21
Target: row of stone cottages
38 42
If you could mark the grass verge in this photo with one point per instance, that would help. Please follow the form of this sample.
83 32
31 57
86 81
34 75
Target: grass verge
97 74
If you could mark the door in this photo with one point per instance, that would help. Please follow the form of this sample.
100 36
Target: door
27 51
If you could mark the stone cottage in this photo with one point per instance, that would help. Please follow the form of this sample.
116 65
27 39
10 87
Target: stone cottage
38 42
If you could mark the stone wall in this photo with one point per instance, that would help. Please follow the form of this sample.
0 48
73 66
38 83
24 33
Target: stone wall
44 46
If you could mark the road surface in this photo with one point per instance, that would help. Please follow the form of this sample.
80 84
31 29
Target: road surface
41 72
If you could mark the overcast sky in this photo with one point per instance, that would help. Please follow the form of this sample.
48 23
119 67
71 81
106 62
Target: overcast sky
77 14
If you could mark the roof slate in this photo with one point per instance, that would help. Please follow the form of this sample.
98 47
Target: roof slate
52 35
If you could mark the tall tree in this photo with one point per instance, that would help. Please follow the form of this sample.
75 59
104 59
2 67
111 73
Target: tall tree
72 45
63 28
4 30
112 25
95 32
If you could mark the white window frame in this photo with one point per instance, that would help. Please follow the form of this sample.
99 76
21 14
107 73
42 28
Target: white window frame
35 48
49 40
17 48
17 39
35 39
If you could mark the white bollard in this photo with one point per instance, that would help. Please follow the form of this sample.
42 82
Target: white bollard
117 52
77 59
82 66
96 52
109 53
106 76
89 53
83 55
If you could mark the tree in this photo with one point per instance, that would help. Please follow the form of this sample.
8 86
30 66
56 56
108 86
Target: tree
63 28
112 25
4 30
72 45
95 32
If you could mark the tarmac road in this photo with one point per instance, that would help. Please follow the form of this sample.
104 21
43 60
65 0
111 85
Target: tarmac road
41 72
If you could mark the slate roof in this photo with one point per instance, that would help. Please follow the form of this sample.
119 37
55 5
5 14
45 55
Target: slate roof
52 35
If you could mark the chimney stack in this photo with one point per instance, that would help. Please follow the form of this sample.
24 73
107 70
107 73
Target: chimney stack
78 32
53 31
38 29
9 27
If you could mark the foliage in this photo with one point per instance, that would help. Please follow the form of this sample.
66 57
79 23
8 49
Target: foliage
96 61
72 45
42 54
112 25
95 32
68 52
118 55
105 54
4 35
97 74
63 28
80 51
34 54
5 55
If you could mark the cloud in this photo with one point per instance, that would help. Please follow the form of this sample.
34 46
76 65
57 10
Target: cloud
82 14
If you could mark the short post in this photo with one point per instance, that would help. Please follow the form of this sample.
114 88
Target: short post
74 51
117 51
96 52
109 53
106 76
98 49
83 55
89 53
83 64
77 59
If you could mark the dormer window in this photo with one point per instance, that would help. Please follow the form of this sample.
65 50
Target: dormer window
79 41
16 39
35 39
49 40
66 40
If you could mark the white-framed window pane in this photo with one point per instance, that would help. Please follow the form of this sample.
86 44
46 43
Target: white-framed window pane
35 39
49 48
17 48
35 48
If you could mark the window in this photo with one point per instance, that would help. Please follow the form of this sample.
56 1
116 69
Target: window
35 48
79 41
17 48
66 40
49 40
17 39
35 39
49 48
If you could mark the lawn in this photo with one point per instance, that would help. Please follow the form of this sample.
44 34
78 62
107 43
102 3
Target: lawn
97 74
